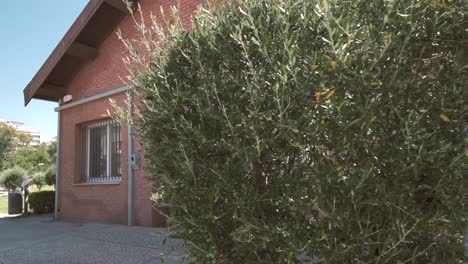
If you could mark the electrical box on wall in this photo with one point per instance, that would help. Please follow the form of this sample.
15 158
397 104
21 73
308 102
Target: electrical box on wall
135 160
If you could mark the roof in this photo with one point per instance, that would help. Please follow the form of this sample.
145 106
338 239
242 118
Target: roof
80 44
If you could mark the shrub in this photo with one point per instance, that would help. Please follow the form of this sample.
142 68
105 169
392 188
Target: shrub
333 129
13 178
42 202
50 175
39 179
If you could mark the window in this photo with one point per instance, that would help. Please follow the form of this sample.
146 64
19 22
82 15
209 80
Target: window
103 152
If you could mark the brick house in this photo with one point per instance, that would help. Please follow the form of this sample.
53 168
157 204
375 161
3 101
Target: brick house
98 176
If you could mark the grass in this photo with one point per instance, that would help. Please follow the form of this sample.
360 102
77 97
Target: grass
3 204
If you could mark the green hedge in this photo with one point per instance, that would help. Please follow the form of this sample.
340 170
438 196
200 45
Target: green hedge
42 202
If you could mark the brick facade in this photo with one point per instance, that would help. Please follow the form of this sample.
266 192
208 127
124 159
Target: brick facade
105 202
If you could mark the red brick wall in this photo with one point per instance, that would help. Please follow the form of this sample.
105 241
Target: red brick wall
105 203
108 70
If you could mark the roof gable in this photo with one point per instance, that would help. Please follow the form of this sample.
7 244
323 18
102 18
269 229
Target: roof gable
80 44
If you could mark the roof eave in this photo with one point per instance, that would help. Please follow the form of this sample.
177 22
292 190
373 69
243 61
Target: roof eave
67 44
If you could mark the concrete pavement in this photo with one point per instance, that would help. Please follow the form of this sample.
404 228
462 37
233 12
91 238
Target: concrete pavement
37 239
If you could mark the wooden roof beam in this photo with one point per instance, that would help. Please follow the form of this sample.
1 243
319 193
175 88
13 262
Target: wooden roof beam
52 90
53 87
118 4
47 98
82 51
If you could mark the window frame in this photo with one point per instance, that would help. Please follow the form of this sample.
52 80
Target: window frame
108 178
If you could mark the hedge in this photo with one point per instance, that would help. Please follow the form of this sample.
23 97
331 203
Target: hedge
332 130
42 202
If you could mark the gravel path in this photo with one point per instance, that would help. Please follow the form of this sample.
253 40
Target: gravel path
37 239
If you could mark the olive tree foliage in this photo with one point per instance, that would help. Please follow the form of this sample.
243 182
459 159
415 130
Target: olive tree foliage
12 178
284 130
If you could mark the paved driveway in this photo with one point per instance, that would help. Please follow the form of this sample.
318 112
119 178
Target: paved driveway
37 239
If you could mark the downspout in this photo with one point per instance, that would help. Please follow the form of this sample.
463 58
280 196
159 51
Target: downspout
465 240
57 167
130 157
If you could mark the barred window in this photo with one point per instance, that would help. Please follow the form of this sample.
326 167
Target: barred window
103 152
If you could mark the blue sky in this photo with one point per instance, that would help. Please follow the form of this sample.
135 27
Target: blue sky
29 31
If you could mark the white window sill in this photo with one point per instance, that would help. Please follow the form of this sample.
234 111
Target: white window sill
98 183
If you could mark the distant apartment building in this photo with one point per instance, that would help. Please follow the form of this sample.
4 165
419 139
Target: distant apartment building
51 141
34 133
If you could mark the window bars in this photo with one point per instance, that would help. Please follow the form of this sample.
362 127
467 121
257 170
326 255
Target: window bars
103 153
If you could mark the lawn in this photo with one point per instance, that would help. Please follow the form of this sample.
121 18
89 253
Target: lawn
3 204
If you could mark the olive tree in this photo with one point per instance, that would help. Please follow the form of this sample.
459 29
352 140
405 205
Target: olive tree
283 131
12 178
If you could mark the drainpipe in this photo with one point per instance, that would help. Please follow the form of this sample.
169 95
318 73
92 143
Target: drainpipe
465 240
57 172
130 157
466 243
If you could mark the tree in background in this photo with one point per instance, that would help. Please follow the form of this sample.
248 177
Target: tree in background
10 140
31 158
7 142
39 179
52 150
330 129
50 175
15 151
23 139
